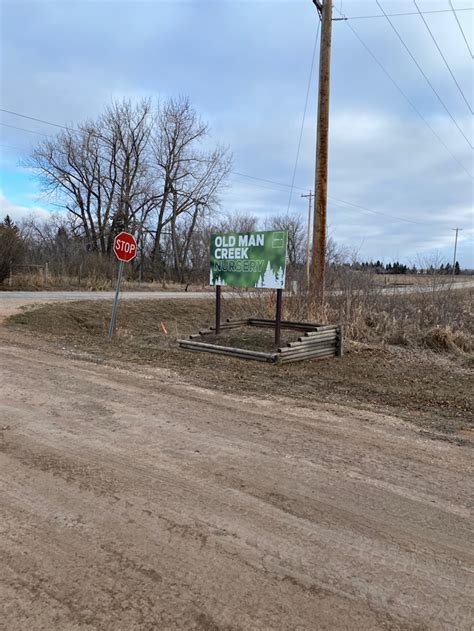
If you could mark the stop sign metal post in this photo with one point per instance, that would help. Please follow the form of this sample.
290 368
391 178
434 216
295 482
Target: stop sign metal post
125 249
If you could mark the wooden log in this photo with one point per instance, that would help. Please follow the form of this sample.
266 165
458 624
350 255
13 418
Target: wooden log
285 359
309 351
235 355
308 347
324 340
295 346
212 329
305 351
206 331
326 329
228 353
316 344
236 322
310 341
285 324
328 335
228 349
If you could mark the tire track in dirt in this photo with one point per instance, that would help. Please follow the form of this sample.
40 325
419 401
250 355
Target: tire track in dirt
129 501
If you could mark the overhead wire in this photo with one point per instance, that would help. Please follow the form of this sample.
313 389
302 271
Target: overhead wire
261 179
407 99
16 148
339 202
237 173
460 27
394 15
334 199
30 131
304 115
86 132
443 57
38 120
257 185
424 75
274 183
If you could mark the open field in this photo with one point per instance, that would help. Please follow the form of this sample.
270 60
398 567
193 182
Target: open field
143 487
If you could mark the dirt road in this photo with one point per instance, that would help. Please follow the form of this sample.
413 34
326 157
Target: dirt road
35 297
129 500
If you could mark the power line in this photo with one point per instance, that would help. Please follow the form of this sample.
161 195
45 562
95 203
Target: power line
13 147
30 131
38 120
261 179
460 27
245 175
338 202
407 98
264 186
435 92
334 200
304 116
368 17
443 57
45 122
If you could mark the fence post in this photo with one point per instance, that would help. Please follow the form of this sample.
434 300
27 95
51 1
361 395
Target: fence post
340 349
218 309
278 317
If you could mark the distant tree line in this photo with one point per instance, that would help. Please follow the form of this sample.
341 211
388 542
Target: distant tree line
56 246
399 268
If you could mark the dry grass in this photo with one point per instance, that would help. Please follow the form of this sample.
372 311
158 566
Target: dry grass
427 388
439 318
38 282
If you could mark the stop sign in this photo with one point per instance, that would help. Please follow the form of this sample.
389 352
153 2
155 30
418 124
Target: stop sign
125 246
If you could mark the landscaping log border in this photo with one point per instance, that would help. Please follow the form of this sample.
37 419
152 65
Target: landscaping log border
317 342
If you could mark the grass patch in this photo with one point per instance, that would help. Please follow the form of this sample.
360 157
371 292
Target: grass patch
430 389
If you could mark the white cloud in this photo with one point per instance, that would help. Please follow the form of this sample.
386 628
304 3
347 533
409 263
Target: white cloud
18 212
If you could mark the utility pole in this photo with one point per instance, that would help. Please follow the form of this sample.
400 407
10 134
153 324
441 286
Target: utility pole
324 8
308 237
455 248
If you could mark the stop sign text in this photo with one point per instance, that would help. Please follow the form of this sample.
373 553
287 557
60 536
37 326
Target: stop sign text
125 246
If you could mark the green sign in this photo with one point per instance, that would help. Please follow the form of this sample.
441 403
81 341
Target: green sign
249 259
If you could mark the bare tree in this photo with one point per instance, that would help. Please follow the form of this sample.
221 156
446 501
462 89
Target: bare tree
189 177
100 173
136 167
296 228
237 222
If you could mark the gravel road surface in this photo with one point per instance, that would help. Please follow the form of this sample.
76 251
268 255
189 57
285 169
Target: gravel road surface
131 500
31 297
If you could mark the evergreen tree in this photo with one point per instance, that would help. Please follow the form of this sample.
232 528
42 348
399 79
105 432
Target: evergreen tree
11 247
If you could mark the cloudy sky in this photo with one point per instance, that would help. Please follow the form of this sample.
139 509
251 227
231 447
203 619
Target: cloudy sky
400 175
